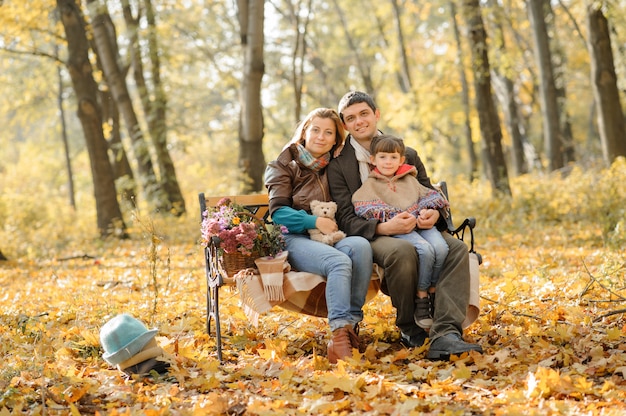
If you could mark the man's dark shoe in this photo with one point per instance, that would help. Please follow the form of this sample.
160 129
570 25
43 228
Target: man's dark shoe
450 344
413 341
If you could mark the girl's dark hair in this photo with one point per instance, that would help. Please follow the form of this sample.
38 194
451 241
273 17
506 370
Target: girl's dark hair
387 143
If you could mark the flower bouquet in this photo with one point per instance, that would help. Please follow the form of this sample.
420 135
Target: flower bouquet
239 236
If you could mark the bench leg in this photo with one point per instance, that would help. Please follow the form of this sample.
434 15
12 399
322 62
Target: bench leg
213 311
212 298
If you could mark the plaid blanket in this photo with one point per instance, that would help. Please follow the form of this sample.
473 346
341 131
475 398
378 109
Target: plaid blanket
305 293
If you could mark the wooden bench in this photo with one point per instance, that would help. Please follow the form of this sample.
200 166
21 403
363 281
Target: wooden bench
304 292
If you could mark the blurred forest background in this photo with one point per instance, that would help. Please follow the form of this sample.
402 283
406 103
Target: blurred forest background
113 108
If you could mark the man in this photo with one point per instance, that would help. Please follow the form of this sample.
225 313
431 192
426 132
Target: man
398 257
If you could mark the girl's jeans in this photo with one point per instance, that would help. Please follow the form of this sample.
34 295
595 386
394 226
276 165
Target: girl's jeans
347 268
432 250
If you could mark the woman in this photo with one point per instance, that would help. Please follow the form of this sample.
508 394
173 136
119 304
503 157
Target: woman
293 180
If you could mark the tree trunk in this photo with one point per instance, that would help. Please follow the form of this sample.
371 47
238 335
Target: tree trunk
251 158
495 165
604 82
507 93
109 216
473 160
362 65
406 85
108 57
157 116
553 145
66 146
299 52
122 171
559 62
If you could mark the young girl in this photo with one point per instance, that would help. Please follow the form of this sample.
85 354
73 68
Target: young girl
392 188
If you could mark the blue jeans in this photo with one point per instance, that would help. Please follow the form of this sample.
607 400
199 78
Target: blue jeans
347 268
432 250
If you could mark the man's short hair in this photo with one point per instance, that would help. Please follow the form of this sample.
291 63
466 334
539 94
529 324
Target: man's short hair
355 97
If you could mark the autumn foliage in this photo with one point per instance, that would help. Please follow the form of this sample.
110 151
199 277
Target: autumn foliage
553 288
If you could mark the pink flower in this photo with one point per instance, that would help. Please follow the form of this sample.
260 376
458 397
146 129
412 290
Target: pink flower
240 232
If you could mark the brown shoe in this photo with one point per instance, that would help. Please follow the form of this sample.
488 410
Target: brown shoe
355 341
340 345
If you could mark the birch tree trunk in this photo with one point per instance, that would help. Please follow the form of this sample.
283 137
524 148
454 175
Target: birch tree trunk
109 216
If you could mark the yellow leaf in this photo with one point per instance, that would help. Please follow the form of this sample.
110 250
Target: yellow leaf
90 337
267 354
74 410
461 372
613 334
419 372
75 393
332 381
285 375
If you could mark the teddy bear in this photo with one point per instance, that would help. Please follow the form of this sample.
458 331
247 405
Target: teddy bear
326 210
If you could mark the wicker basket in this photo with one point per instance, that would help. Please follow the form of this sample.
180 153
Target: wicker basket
232 263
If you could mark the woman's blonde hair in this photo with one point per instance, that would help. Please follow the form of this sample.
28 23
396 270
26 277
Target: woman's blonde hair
322 112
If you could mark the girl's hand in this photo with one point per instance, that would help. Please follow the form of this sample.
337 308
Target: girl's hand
427 219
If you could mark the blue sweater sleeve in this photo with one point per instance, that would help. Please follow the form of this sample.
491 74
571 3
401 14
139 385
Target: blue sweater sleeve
296 221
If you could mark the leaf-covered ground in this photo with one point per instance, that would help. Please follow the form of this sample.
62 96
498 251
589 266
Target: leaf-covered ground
552 327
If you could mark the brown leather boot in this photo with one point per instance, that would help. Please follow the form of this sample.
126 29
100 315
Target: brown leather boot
340 346
355 341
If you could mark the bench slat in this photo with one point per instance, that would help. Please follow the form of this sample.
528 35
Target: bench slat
258 204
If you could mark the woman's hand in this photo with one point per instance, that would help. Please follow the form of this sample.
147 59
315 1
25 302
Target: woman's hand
427 219
326 225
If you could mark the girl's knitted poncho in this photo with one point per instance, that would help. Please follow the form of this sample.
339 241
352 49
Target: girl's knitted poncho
383 198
